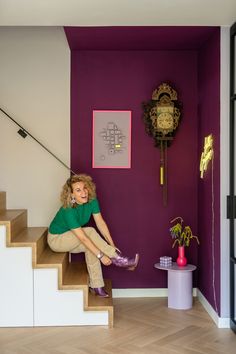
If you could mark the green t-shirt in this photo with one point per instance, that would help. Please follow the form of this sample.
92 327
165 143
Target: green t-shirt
71 218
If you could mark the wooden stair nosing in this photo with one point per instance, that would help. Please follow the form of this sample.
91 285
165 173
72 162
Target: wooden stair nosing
9 215
76 276
35 237
29 235
50 259
97 303
15 221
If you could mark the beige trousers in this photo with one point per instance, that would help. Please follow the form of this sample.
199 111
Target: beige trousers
68 242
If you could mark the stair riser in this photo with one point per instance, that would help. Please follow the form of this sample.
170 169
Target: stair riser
2 201
16 226
41 245
64 268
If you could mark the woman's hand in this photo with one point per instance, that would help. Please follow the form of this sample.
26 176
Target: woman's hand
105 260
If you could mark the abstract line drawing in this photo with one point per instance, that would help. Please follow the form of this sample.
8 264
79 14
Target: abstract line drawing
111 139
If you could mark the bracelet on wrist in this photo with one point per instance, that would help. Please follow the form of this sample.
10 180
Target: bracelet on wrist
100 255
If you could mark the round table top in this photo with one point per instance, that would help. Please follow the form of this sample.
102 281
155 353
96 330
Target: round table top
174 267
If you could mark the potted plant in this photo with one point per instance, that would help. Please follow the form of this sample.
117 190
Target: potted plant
182 235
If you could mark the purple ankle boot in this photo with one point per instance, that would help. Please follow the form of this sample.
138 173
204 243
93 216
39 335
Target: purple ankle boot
125 262
99 292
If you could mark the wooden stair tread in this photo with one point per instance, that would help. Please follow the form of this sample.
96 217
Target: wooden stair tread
9 215
50 258
30 235
76 275
101 303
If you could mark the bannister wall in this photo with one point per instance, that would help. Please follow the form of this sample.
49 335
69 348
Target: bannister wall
35 91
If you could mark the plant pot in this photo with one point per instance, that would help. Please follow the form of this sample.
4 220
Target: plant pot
181 260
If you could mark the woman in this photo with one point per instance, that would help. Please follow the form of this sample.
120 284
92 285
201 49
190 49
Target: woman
68 233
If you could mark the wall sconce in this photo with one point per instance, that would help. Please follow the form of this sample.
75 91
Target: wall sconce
207 154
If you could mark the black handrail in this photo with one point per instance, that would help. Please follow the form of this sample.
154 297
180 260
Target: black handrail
23 132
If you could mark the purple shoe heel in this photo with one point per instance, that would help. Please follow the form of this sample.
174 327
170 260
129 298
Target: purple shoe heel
99 292
136 260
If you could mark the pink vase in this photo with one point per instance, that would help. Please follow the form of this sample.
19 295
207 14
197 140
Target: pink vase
181 260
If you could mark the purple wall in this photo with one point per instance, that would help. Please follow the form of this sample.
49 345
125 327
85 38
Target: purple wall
209 187
131 200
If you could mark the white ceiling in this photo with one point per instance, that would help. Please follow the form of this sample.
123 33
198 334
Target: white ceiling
117 12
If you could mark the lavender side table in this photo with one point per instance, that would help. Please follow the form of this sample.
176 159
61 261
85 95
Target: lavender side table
180 288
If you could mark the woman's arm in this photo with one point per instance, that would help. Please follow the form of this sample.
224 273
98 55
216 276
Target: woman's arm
90 245
102 227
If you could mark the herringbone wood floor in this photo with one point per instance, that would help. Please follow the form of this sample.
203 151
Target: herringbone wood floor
141 326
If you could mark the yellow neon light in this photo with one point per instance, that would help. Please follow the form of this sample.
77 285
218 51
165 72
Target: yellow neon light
117 145
207 154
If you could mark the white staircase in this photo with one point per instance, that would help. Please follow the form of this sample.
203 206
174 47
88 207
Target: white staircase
40 287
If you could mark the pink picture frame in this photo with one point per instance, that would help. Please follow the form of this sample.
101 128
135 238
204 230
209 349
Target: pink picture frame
111 145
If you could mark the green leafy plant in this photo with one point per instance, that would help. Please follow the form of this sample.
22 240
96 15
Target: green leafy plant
181 234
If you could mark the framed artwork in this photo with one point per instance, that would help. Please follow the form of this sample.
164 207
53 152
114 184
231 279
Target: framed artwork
111 139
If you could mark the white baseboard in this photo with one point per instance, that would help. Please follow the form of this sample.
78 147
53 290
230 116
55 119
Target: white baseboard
116 293
221 322
152 292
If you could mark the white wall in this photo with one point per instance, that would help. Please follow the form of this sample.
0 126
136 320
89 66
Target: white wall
35 91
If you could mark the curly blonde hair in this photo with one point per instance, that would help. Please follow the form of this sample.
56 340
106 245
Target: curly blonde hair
67 189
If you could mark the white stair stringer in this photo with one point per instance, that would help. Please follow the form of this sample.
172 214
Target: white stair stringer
53 307
30 297
16 284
